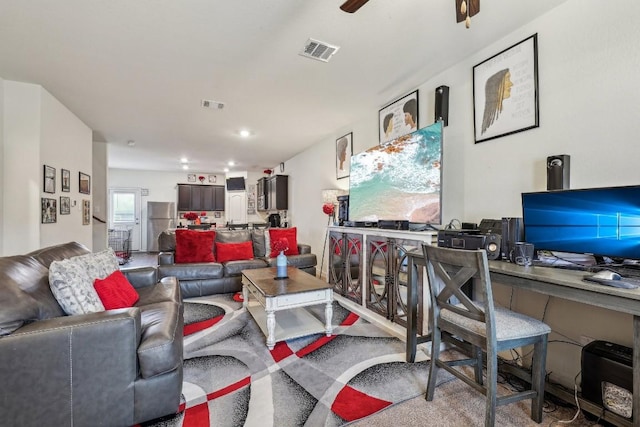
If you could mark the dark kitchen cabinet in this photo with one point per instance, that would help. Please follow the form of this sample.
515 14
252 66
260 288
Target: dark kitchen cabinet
277 192
262 194
200 197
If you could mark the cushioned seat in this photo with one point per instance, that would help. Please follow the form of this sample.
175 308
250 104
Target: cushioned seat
113 367
233 251
480 327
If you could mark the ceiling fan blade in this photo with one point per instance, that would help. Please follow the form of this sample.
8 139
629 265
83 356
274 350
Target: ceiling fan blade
351 6
472 5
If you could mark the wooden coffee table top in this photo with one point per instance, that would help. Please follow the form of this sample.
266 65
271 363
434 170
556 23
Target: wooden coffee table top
299 281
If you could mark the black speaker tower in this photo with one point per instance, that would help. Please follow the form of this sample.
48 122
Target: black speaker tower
442 104
558 172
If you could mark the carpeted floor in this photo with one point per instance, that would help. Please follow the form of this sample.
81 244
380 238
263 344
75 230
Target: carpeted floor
357 377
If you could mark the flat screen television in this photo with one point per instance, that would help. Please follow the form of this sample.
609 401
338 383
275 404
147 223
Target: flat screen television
399 180
235 184
598 221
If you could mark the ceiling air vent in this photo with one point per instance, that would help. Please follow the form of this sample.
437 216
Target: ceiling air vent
214 105
318 50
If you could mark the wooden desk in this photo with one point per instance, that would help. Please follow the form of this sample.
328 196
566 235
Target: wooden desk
566 284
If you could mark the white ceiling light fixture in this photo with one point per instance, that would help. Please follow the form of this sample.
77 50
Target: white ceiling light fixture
185 167
245 133
225 170
184 160
316 49
231 163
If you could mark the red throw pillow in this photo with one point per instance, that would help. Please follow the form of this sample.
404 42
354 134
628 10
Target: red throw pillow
288 233
194 246
115 291
234 251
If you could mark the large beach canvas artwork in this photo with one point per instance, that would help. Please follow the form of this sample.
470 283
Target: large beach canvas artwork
399 180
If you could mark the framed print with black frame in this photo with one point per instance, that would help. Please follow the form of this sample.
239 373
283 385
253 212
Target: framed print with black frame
65 179
398 118
86 212
344 151
49 182
84 185
49 210
505 92
65 205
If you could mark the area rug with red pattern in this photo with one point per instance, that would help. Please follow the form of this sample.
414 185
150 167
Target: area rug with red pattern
232 379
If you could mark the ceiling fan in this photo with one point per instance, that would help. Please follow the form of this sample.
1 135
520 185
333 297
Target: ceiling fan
465 9
351 6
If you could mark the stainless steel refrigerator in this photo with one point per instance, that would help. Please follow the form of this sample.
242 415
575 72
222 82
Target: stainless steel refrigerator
160 217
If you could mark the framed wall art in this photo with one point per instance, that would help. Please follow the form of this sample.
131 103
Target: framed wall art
49 183
213 179
505 91
84 186
49 210
86 212
398 118
65 179
65 205
191 177
344 150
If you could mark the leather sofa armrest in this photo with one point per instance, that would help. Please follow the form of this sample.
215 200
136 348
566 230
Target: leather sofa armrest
56 365
165 258
304 249
141 277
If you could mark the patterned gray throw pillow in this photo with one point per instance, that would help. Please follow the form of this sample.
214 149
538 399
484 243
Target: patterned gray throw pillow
71 280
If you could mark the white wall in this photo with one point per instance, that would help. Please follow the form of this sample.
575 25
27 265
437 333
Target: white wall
163 187
61 128
22 168
38 131
589 91
99 196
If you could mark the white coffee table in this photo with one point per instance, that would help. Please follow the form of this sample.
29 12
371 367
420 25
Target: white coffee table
264 296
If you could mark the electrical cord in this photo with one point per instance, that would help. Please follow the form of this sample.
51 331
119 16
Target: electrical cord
452 224
575 395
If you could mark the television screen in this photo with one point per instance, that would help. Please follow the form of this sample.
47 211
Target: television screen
598 221
235 184
399 180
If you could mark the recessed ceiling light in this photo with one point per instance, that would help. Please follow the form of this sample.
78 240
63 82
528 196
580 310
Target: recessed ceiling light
231 163
184 160
226 170
245 133
185 167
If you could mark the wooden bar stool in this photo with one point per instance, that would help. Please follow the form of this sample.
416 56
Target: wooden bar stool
481 326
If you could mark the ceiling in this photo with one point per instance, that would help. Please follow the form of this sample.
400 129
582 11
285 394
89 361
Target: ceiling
138 70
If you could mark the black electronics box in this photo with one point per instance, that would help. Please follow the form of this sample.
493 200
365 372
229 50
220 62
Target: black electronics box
361 224
607 376
470 240
393 224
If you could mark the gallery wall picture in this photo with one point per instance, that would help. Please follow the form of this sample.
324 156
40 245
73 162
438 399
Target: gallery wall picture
84 186
398 118
65 179
49 183
49 210
505 91
344 151
86 212
65 205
